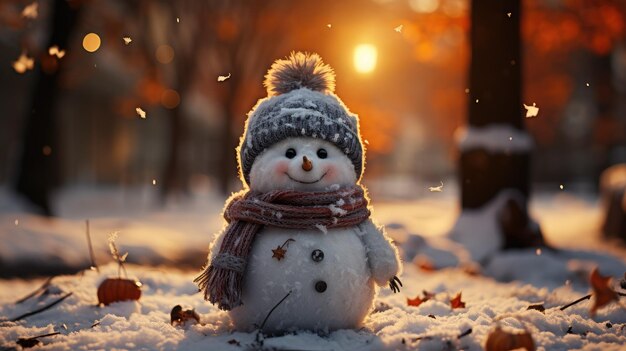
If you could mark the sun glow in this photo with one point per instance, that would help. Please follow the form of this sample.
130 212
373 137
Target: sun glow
365 56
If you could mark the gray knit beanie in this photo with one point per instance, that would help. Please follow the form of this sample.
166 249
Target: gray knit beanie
300 102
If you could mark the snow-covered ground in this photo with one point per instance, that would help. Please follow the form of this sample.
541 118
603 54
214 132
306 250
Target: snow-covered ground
162 241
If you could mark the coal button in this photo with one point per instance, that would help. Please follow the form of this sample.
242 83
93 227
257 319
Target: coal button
317 255
320 286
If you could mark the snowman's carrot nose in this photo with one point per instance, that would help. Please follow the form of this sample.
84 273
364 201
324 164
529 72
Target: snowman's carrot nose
307 165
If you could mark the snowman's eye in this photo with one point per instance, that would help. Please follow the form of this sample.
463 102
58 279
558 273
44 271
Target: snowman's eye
322 153
290 153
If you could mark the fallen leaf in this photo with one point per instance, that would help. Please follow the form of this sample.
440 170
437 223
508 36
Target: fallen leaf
531 111
425 264
141 112
456 302
278 253
539 307
602 292
419 300
27 343
398 28
416 301
31 11
500 340
436 189
23 63
54 51
178 316
223 78
127 40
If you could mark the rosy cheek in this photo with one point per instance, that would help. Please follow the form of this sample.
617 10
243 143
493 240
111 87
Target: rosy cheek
331 174
280 168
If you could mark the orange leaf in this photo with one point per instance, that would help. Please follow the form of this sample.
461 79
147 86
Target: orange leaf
278 253
500 340
425 264
602 292
416 301
456 302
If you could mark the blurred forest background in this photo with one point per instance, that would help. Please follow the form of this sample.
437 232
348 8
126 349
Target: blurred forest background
75 117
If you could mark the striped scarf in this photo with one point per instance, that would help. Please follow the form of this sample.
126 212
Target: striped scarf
247 212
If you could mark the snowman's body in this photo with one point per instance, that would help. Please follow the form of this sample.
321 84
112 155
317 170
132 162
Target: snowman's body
330 289
354 258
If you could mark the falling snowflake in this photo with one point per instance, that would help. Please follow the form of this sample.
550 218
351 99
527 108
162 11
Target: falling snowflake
561 186
398 28
127 40
17 222
177 20
23 63
587 84
329 25
531 111
54 51
141 112
223 78
31 11
154 182
436 189
538 252
508 14
477 100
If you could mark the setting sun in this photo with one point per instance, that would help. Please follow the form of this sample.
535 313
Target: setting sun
365 56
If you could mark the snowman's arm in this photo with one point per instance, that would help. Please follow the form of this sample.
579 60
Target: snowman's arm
382 254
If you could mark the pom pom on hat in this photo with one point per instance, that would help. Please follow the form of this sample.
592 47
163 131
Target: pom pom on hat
299 70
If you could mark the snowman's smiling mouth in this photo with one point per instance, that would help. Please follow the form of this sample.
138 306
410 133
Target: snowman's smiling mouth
303 182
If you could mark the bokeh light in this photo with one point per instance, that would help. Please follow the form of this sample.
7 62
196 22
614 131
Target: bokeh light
170 98
365 57
424 6
164 54
91 42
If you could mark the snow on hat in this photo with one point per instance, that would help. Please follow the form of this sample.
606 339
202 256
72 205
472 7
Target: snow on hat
300 102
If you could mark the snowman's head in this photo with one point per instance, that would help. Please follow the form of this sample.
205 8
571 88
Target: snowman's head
301 136
304 164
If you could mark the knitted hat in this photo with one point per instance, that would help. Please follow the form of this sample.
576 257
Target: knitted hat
300 102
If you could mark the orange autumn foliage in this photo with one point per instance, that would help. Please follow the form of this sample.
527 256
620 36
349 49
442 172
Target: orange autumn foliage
602 292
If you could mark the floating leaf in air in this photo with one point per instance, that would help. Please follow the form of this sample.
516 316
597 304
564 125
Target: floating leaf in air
141 112
436 189
223 78
531 111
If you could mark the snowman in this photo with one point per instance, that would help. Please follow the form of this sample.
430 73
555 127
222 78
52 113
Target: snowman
300 250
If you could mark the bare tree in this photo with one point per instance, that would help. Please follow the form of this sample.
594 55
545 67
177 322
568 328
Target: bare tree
38 170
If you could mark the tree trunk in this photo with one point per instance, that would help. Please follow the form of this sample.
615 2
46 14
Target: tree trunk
38 171
495 153
495 82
